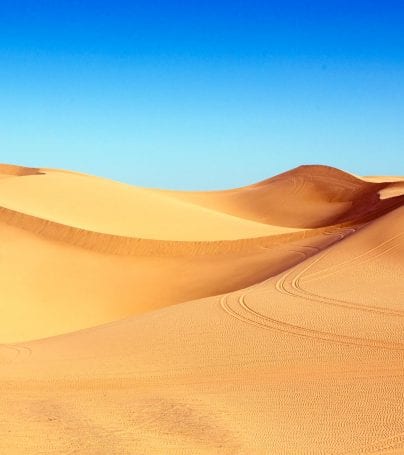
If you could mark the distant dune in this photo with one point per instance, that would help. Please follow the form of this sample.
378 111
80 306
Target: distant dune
267 319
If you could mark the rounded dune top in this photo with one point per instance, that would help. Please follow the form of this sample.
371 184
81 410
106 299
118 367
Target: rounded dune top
308 196
104 206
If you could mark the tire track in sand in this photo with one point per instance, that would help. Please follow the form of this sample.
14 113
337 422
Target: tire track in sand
246 314
295 288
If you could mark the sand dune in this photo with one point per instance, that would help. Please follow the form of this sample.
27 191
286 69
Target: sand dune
305 197
279 330
104 206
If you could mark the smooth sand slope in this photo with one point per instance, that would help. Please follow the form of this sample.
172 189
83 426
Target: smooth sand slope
294 346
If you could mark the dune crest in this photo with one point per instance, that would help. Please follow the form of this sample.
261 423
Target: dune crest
266 319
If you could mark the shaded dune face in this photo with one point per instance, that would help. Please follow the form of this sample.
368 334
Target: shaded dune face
13 170
305 197
267 319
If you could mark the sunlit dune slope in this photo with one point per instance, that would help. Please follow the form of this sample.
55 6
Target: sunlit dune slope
382 178
105 206
394 186
50 286
309 361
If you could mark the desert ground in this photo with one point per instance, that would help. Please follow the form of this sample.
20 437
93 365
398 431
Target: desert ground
262 320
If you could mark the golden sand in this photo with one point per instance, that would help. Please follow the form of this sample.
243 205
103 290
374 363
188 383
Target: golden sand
267 319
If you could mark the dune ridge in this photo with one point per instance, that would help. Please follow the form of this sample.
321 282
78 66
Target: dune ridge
124 245
228 343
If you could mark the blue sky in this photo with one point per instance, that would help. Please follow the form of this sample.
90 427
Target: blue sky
199 95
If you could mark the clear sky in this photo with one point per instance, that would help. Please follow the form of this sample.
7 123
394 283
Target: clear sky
202 94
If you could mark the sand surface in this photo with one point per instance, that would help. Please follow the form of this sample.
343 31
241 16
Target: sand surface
267 319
